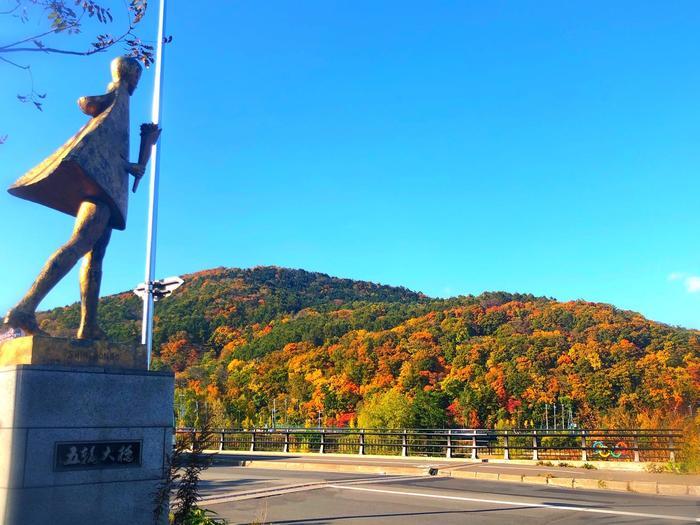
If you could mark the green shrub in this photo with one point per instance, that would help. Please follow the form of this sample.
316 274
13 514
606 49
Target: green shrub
199 516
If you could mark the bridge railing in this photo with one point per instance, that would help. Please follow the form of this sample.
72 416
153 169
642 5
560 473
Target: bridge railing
535 444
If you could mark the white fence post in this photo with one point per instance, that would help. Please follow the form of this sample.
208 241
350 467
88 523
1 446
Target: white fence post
535 451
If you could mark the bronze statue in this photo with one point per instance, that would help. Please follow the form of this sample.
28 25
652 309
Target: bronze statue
88 178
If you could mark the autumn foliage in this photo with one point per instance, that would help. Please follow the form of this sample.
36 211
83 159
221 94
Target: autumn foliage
354 353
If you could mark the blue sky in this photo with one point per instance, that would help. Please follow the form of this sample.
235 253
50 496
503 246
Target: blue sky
450 147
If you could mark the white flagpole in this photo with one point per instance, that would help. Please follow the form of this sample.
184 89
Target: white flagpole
147 321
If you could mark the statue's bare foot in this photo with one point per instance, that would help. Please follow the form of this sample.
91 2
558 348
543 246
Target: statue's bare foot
91 332
25 321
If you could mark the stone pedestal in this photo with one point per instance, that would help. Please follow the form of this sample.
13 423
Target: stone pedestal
80 444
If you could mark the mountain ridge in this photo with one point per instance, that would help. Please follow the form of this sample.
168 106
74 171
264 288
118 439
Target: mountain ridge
242 340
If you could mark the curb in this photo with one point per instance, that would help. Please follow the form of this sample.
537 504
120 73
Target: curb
332 467
640 487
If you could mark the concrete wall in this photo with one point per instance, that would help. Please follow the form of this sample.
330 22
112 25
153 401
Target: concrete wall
45 405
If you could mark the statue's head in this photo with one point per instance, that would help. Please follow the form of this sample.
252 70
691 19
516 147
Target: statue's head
126 70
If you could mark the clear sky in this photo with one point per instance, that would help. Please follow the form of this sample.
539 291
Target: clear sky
451 147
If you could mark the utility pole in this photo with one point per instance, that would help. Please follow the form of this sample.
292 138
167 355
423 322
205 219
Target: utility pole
571 418
274 414
147 319
562 416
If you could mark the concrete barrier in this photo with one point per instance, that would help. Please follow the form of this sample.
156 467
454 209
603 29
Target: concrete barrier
463 474
493 476
510 477
589 483
539 480
643 487
667 489
615 484
561 482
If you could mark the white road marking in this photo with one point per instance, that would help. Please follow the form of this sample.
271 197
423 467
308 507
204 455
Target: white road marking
519 503
262 493
388 479
266 492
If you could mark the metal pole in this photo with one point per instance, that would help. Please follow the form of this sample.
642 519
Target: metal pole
535 452
147 321
562 415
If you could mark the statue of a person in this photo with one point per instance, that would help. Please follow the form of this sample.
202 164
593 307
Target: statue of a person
88 177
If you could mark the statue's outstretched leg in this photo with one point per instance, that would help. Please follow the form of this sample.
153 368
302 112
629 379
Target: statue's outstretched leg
90 224
90 279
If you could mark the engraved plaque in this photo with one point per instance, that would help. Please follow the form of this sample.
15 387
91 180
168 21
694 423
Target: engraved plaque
83 455
42 350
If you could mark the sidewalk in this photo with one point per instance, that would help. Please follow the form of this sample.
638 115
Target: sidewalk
494 470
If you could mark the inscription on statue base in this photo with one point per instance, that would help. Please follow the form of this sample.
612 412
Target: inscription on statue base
43 350
97 455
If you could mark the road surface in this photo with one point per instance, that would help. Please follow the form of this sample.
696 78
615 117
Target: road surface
248 495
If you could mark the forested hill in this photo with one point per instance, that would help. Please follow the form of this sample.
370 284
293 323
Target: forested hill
362 353
237 298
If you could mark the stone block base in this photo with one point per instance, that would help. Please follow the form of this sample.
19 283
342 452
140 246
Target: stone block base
82 444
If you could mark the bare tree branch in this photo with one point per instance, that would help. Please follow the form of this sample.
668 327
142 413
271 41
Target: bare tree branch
45 49
14 63
33 96
32 38
62 18
15 8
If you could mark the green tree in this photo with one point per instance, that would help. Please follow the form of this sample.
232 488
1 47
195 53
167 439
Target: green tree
390 409
429 410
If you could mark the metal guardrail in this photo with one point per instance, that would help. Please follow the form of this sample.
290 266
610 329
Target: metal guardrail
536 444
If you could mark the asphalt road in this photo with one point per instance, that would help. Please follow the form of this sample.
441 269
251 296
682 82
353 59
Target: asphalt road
326 498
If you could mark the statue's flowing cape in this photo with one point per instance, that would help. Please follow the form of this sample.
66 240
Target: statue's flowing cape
91 165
